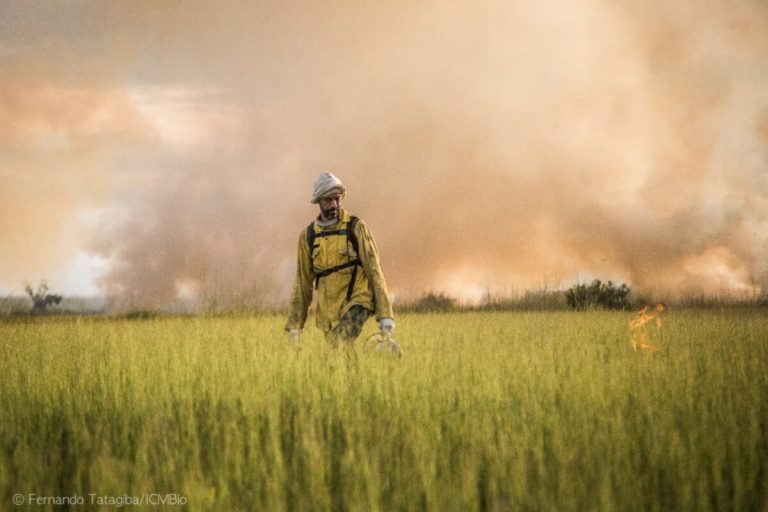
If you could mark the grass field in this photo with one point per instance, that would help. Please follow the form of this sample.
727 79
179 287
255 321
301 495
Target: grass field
486 411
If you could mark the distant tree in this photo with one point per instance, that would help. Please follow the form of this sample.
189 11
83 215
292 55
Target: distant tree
434 302
41 299
598 295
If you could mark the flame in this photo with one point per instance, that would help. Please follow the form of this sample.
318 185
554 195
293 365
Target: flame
640 336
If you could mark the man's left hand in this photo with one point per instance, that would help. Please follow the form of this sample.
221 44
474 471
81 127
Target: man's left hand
387 326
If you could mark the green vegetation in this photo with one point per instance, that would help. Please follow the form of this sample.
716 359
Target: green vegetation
432 303
486 411
598 295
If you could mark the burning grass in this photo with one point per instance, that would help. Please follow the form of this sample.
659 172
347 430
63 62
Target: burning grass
640 328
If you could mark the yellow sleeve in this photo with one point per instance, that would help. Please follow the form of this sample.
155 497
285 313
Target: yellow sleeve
301 297
369 255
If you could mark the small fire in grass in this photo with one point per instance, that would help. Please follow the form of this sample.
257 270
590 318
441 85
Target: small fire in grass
640 331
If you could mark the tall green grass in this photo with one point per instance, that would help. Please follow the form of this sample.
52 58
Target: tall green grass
486 411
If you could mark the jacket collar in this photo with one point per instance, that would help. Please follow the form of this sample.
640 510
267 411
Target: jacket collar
343 218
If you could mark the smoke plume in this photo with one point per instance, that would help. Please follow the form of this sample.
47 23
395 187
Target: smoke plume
492 146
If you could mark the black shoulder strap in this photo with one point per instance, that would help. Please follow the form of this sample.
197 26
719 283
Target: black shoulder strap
311 247
352 238
311 237
351 234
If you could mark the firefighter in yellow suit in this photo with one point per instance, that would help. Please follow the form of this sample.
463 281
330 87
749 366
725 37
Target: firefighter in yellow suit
337 255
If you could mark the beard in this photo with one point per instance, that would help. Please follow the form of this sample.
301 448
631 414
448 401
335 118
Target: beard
330 213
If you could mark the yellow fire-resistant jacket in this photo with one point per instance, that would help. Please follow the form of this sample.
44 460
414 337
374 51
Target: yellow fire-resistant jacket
370 289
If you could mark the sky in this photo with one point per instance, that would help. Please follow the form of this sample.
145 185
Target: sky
151 151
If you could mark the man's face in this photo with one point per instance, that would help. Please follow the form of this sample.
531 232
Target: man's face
329 206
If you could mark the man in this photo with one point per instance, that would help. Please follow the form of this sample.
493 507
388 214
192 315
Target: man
338 256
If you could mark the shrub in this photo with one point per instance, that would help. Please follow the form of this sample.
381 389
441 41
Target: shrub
598 295
434 302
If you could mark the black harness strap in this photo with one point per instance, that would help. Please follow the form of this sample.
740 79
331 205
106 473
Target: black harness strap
329 271
352 239
333 232
349 231
311 242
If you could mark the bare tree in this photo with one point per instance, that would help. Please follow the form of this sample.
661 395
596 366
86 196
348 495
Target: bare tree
41 299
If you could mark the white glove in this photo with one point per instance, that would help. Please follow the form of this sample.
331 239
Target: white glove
387 326
294 335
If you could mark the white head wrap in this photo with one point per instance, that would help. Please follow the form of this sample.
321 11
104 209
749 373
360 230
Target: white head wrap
324 184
